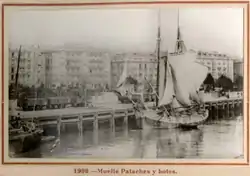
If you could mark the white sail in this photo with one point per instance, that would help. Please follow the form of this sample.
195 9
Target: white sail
123 76
187 75
199 76
169 88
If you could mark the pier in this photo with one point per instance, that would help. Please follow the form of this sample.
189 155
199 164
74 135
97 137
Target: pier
79 116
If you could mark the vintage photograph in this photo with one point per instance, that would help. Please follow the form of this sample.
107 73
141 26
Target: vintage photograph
125 83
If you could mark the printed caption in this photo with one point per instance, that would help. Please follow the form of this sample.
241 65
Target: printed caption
124 171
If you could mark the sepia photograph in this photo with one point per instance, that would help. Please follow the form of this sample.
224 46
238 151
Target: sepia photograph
157 82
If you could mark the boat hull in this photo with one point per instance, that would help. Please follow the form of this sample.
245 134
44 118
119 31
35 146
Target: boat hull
150 119
25 142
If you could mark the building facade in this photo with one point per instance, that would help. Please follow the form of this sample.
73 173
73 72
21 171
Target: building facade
56 74
99 69
218 64
238 68
138 67
31 66
64 67
71 67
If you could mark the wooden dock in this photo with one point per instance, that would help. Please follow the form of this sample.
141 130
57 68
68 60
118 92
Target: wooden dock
60 117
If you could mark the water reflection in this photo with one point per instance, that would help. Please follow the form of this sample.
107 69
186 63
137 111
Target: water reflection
214 140
179 144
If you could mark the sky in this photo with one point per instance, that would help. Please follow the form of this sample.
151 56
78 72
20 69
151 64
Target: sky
209 29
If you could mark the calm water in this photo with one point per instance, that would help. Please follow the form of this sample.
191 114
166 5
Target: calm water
216 139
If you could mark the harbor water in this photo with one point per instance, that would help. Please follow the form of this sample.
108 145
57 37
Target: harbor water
220 138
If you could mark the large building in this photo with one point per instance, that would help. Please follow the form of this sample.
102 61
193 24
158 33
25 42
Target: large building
72 67
138 66
65 67
56 74
238 68
218 64
31 66
99 69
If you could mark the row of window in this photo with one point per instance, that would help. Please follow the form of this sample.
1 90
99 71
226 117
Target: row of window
214 63
21 76
23 54
211 54
22 60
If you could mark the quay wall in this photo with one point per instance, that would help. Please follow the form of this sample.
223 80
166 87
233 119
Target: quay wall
79 116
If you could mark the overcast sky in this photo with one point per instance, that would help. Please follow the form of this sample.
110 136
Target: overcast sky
211 29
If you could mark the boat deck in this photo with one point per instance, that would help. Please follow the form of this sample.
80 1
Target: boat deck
151 117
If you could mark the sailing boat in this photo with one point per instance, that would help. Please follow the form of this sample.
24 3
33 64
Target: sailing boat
23 136
125 85
180 105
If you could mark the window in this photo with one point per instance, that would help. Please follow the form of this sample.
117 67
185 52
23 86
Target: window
12 70
139 66
12 77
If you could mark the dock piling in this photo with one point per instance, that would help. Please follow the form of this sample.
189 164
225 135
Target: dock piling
96 128
217 110
80 125
112 121
59 122
126 123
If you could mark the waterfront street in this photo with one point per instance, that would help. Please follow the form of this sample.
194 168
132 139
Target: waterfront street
97 108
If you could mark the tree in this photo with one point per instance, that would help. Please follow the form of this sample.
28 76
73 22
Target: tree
209 82
131 80
209 79
225 83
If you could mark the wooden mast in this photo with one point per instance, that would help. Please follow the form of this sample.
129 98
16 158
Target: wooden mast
158 58
17 72
180 46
